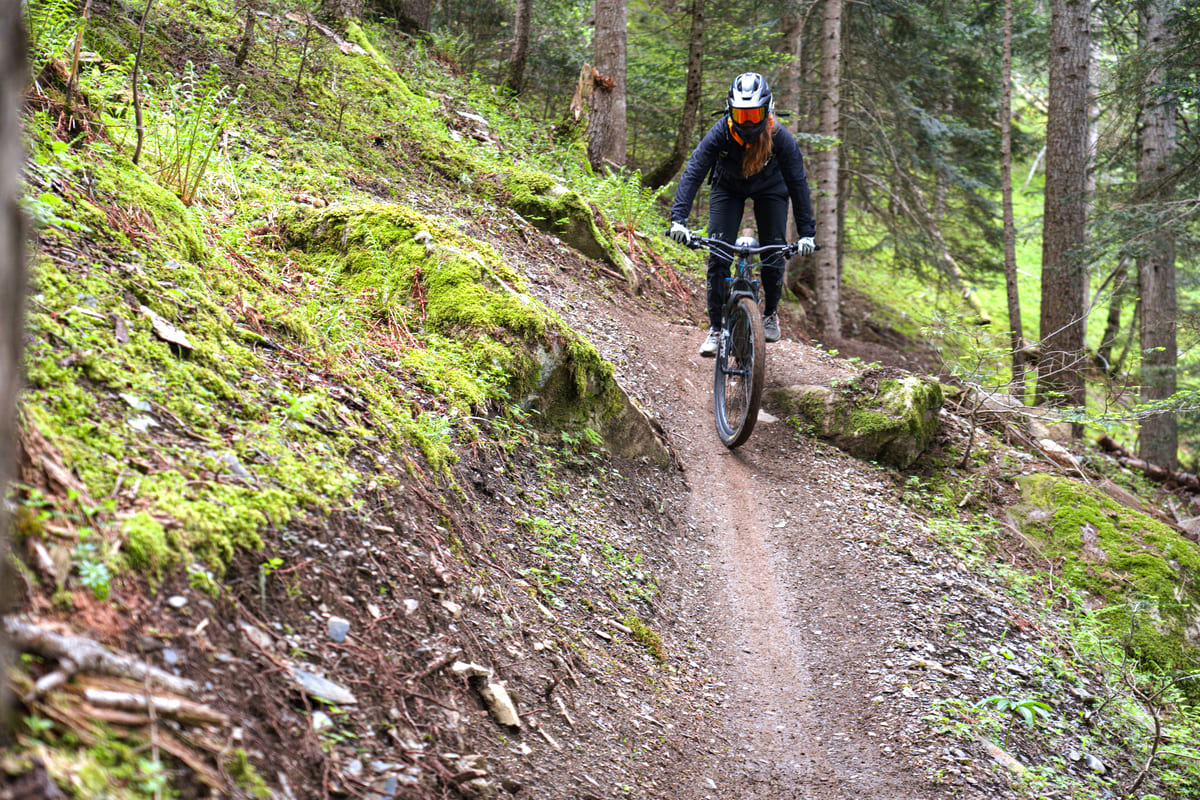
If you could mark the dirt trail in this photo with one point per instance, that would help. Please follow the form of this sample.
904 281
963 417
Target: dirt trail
794 602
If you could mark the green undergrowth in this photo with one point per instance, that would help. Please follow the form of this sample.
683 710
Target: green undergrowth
1146 573
209 371
1111 593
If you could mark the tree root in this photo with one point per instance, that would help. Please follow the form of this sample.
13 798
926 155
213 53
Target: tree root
79 654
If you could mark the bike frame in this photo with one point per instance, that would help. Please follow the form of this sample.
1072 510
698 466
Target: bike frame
741 258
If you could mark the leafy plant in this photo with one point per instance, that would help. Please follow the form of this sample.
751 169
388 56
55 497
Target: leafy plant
50 26
1027 709
627 203
94 573
185 134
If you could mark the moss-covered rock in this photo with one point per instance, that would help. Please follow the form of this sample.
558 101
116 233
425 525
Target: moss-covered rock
1143 573
550 206
459 296
889 419
149 206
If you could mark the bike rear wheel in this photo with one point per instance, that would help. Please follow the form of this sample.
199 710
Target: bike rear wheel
739 373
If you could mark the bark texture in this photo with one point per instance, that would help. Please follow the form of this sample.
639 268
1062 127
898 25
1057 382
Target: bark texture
1064 274
1158 440
514 77
12 290
607 117
828 284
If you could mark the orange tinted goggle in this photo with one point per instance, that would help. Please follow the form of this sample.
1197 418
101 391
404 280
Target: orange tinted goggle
748 115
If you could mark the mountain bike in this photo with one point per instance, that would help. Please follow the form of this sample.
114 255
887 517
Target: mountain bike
740 371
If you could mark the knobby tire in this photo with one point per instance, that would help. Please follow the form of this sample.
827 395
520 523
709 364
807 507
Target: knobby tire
739 374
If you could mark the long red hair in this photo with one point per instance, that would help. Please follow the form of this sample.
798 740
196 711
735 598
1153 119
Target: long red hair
759 151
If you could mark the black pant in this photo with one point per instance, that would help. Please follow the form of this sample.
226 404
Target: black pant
726 205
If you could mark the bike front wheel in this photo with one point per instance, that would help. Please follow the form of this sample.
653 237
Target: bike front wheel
739 373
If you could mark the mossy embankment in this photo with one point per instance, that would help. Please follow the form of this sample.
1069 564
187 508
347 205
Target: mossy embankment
306 329
329 343
1141 576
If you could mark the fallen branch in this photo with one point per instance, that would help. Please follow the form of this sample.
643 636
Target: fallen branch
79 654
174 707
1154 472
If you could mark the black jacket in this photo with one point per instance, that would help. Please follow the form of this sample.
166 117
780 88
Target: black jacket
720 153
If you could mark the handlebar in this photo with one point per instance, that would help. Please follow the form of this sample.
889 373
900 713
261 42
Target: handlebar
732 251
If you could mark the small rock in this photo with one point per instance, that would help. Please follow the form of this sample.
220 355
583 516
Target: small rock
389 788
410 606
500 704
321 721
235 467
322 688
258 636
170 656
177 601
469 670
338 628
1094 764
354 768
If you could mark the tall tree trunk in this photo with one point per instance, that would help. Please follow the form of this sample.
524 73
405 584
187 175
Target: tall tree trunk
12 279
828 286
247 36
1064 274
789 95
1158 441
514 77
1016 334
663 173
606 118
791 45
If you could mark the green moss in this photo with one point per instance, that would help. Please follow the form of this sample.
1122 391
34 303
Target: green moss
553 208
146 544
1145 572
120 181
648 638
898 395
242 771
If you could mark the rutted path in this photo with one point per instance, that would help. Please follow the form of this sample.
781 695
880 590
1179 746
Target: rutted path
794 602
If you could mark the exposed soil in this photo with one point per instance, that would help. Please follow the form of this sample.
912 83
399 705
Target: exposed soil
808 619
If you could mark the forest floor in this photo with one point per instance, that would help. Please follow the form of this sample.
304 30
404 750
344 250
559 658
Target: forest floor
778 621
807 589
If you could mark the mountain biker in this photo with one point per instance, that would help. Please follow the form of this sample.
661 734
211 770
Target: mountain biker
750 156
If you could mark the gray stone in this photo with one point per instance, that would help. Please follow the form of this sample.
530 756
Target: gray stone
338 628
879 416
322 688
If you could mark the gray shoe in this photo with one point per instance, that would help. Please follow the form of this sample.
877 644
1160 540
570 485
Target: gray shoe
711 343
771 328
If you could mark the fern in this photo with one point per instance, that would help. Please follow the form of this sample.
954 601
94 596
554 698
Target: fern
628 204
184 135
51 25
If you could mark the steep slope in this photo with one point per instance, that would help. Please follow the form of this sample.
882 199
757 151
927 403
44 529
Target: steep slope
340 451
